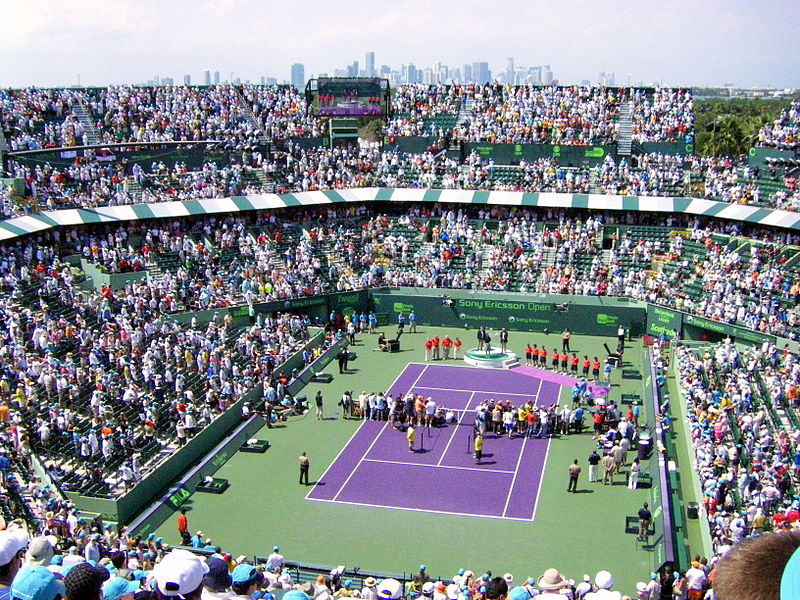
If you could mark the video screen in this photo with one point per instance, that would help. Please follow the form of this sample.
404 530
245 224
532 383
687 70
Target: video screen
349 97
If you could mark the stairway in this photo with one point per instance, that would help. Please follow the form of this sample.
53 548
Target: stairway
248 114
257 178
624 136
465 112
3 145
134 189
81 112
594 186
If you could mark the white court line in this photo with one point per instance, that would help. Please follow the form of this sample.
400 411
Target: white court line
455 430
476 391
514 480
539 390
334 460
422 510
427 387
519 461
410 464
358 464
541 480
399 375
372 445
544 468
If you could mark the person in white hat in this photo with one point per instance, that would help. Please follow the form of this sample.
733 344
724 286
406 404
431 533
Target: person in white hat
641 591
551 583
370 589
509 581
40 551
12 552
390 589
180 573
603 581
584 587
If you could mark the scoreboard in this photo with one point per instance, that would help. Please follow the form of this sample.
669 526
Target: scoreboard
349 96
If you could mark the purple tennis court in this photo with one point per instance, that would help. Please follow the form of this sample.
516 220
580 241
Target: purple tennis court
376 469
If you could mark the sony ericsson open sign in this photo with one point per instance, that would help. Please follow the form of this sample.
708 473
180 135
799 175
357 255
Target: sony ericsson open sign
486 311
504 305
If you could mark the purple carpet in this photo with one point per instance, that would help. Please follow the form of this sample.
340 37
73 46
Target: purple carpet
376 469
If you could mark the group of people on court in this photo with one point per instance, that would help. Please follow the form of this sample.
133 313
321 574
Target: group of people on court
501 418
439 349
562 362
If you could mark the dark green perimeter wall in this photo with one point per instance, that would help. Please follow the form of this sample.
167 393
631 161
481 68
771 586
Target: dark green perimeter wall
591 315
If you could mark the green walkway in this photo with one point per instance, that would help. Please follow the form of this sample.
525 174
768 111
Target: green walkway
577 533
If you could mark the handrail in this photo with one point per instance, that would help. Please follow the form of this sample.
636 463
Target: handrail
111 145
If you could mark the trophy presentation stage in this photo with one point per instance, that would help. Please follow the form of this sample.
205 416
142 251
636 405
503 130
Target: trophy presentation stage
495 359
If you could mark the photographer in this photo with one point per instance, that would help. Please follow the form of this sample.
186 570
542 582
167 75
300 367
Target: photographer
383 343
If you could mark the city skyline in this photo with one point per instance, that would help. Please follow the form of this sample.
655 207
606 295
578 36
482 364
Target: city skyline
679 43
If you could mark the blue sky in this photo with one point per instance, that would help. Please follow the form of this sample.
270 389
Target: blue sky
682 43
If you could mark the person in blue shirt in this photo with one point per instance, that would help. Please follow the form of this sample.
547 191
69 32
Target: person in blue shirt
577 420
363 320
197 540
373 322
5 465
401 319
637 411
412 322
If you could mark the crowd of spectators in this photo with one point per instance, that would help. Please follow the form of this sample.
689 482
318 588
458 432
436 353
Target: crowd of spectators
532 115
71 557
783 132
104 379
243 118
540 115
40 119
90 378
238 117
103 376
222 262
665 115
742 409
91 181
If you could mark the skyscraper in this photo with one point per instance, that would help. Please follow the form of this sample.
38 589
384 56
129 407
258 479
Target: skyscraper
467 73
369 65
207 77
187 80
481 72
547 75
298 76
409 73
510 70
216 77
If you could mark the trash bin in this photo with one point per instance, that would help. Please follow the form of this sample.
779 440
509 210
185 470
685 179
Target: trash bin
692 510
645 447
